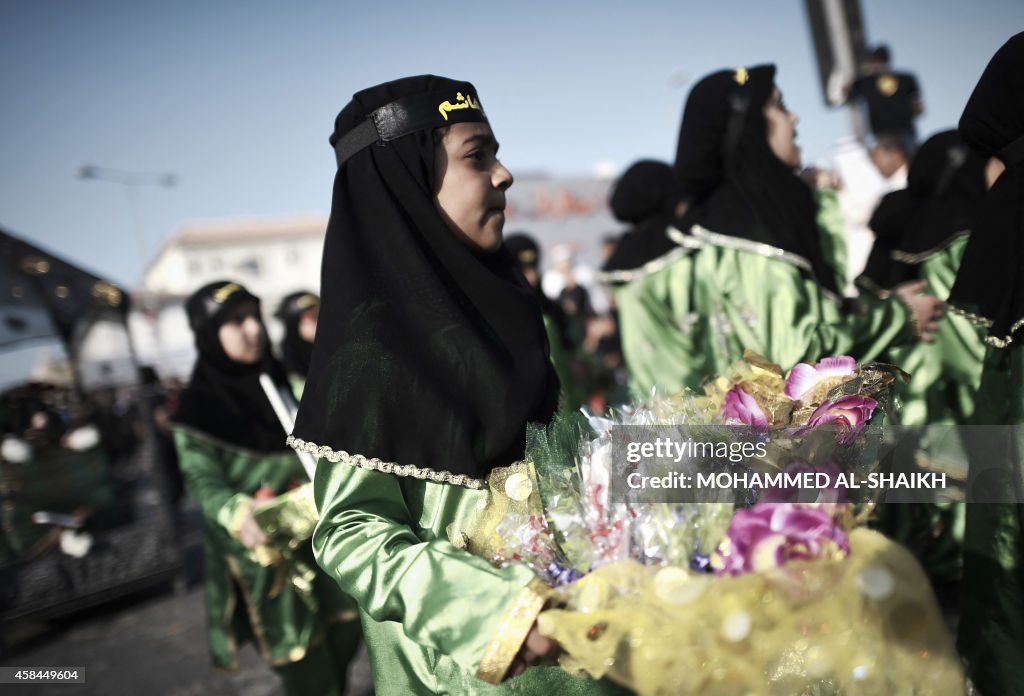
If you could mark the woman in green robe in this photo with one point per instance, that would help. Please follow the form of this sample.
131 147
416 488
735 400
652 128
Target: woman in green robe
989 289
299 312
649 276
762 278
232 451
920 234
423 379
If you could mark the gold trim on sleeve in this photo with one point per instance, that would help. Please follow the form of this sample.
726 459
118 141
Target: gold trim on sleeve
761 249
865 283
374 464
914 259
515 626
686 245
979 320
653 266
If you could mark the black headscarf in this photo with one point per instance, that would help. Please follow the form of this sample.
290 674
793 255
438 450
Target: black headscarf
427 354
295 350
642 197
526 253
224 398
990 284
945 188
734 183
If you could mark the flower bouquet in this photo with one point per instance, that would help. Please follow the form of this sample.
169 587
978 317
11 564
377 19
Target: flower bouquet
725 590
288 520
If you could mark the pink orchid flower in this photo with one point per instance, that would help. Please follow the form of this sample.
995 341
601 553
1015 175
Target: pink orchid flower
849 413
741 407
769 535
804 377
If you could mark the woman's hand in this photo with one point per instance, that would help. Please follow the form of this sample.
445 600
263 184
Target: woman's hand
250 533
925 310
535 648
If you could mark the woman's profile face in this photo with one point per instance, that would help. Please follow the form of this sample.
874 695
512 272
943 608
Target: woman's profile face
241 334
307 324
470 185
994 169
782 130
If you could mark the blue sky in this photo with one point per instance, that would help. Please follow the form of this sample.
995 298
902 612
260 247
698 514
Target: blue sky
238 97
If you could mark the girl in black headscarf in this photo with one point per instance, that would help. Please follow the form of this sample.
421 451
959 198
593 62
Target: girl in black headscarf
429 361
920 234
299 312
650 277
761 279
232 450
526 254
989 289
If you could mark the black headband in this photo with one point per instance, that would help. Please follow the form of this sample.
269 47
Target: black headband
212 299
417 112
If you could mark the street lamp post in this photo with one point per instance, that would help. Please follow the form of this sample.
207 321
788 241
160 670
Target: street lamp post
131 182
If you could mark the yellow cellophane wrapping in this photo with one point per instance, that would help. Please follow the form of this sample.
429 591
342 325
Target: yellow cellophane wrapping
512 491
288 521
867 624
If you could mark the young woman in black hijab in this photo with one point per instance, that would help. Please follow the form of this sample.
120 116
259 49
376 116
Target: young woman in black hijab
761 279
526 254
989 289
232 449
920 234
430 359
650 277
299 312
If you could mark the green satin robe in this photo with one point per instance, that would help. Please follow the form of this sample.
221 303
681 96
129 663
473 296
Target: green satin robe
833 233
691 314
991 630
944 379
656 320
429 609
241 602
751 296
944 375
573 394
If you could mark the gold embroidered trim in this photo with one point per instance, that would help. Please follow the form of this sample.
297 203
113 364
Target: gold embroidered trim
224 444
254 617
515 626
645 270
979 320
874 288
1005 342
761 249
374 464
298 652
683 239
970 316
914 259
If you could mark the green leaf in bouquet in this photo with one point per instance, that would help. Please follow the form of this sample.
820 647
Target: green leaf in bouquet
554 452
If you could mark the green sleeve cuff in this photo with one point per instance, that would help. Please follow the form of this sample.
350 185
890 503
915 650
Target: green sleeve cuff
233 512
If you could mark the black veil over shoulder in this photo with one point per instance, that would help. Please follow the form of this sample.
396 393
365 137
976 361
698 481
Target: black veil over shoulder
428 354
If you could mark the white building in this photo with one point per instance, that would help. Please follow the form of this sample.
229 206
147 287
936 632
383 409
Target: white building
271 257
